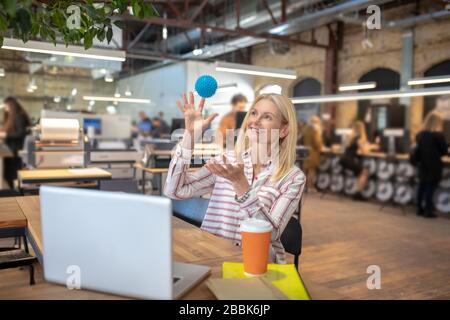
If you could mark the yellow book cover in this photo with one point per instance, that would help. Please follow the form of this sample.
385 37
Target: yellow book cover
282 276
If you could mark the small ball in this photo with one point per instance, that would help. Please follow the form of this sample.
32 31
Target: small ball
206 86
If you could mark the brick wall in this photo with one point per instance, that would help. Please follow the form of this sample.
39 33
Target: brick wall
431 46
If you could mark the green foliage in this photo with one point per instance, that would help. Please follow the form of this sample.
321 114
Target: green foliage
48 20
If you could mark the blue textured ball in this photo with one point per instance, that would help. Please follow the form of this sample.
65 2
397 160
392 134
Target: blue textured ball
206 86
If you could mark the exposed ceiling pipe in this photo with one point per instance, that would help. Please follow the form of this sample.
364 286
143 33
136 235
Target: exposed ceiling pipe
319 18
403 23
322 17
250 19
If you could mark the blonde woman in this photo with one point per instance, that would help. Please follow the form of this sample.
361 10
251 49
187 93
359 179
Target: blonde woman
431 146
256 180
356 146
312 138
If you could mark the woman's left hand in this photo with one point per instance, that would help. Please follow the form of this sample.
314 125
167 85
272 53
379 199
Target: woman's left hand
233 173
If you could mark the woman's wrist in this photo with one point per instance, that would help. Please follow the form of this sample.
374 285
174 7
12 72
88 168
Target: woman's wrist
240 187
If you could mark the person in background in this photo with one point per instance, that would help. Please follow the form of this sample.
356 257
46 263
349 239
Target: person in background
145 124
160 128
15 126
430 148
312 138
351 160
238 103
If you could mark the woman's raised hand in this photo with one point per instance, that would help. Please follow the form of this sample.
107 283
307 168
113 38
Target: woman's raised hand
193 118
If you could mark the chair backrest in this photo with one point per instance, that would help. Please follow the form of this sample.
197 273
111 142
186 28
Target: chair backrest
126 185
291 238
191 210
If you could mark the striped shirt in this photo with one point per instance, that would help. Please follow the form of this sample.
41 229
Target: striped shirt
271 201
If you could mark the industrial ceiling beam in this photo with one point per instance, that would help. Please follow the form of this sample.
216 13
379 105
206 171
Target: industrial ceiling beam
139 35
174 9
266 5
186 24
198 10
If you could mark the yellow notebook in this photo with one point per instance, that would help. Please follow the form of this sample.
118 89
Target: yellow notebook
282 276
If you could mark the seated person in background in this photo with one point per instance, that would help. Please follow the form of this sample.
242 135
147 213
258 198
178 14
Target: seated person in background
238 103
351 161
256 180
160 128
16 123
145 124
312 138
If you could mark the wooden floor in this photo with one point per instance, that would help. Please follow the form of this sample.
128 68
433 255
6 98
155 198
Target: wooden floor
342 238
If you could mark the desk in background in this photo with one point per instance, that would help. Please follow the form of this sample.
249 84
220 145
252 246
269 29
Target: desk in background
41 176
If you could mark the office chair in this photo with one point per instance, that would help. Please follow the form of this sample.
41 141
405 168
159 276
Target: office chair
291 238
190 210
120 185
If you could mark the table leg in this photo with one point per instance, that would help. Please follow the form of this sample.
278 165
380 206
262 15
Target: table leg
143 181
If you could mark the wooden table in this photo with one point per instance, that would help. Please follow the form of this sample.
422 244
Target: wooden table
190 245
39 176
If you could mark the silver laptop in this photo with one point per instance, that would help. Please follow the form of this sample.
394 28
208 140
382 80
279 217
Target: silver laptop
112 242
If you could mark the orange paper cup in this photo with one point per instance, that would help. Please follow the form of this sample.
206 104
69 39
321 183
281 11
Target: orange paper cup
256 236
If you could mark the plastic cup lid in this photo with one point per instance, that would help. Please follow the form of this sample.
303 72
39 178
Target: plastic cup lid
255 225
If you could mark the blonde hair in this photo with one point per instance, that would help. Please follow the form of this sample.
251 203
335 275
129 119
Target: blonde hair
359 130
287 153
433 122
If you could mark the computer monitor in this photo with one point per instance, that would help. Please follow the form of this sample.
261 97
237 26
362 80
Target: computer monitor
93 122
401 141
119 243
144 126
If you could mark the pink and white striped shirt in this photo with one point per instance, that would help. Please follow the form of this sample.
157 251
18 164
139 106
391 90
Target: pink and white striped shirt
271 201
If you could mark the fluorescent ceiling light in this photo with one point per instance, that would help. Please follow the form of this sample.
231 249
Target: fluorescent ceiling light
60 49
197 52
74 92
357 86
429 80
128 91
112 99
111 109
373 95
109 78
256 70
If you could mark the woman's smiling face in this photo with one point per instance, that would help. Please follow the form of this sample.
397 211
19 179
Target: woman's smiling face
263 120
